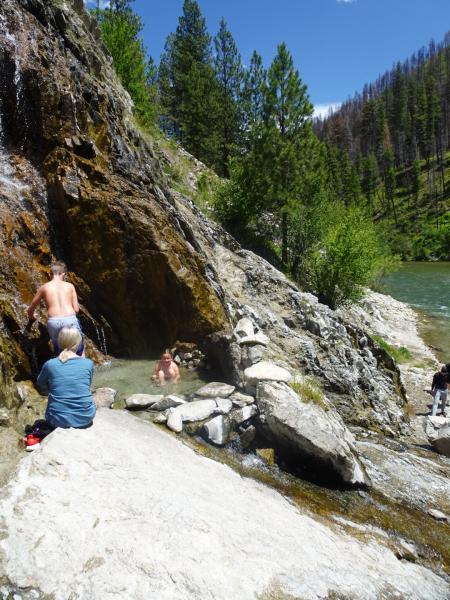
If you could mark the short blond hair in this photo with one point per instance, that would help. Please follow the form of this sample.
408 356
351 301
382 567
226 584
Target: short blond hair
69 340
58 268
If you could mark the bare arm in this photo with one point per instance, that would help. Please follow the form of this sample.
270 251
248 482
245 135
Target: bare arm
75 304
37 298
176 372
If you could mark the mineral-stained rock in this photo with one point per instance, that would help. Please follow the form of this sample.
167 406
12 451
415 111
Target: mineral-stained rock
267 454
76 167
215 389
142 401
309 432
217 430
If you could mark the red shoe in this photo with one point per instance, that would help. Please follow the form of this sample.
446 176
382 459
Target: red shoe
32 442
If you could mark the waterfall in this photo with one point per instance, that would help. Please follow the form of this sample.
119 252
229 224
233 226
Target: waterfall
100 332
74 112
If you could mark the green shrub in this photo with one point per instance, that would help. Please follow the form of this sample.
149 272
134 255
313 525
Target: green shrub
347 258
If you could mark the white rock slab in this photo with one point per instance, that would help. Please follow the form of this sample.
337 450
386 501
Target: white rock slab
215 389
84 518
142 401
266 371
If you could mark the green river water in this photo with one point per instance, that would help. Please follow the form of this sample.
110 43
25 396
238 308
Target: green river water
426 287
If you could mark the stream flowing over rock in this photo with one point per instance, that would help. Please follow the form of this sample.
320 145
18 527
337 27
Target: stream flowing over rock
183 527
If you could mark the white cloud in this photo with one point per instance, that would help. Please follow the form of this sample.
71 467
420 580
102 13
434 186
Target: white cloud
345 1
323 110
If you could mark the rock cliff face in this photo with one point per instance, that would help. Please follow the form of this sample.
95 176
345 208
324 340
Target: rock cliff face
80 182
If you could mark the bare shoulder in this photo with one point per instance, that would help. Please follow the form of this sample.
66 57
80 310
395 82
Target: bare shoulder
69 286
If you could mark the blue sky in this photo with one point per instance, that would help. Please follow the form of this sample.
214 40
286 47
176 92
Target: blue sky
337 45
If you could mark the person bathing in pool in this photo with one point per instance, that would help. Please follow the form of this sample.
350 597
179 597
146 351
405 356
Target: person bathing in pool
60 298
166 370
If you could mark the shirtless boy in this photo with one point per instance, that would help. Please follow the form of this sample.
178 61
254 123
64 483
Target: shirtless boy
166 370
61 301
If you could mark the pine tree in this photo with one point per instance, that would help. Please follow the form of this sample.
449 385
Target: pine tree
120 29
188 88
229 75
288 133
252 102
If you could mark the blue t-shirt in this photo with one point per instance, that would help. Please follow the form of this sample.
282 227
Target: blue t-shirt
70 402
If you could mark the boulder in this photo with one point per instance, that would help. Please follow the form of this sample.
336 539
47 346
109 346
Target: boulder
433 425
168 402
238 399
215 389
174 420
243 414
217 430
307 431
441 443
264 371
250 355
142 401
164 522
104 397
244 328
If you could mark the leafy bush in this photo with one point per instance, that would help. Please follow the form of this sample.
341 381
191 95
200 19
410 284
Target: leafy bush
348 257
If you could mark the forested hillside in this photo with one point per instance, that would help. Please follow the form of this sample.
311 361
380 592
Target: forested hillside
397 134
307 197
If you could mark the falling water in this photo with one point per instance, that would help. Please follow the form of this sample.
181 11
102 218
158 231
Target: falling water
101 339
20 100
74 112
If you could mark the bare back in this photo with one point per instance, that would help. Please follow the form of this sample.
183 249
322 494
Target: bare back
60 298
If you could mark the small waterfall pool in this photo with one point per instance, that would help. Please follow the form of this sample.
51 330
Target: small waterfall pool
134 377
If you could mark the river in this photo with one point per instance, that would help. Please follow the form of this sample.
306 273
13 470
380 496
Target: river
426 287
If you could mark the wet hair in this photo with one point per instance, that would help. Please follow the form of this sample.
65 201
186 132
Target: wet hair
69 339
444 369
58 268
167 351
